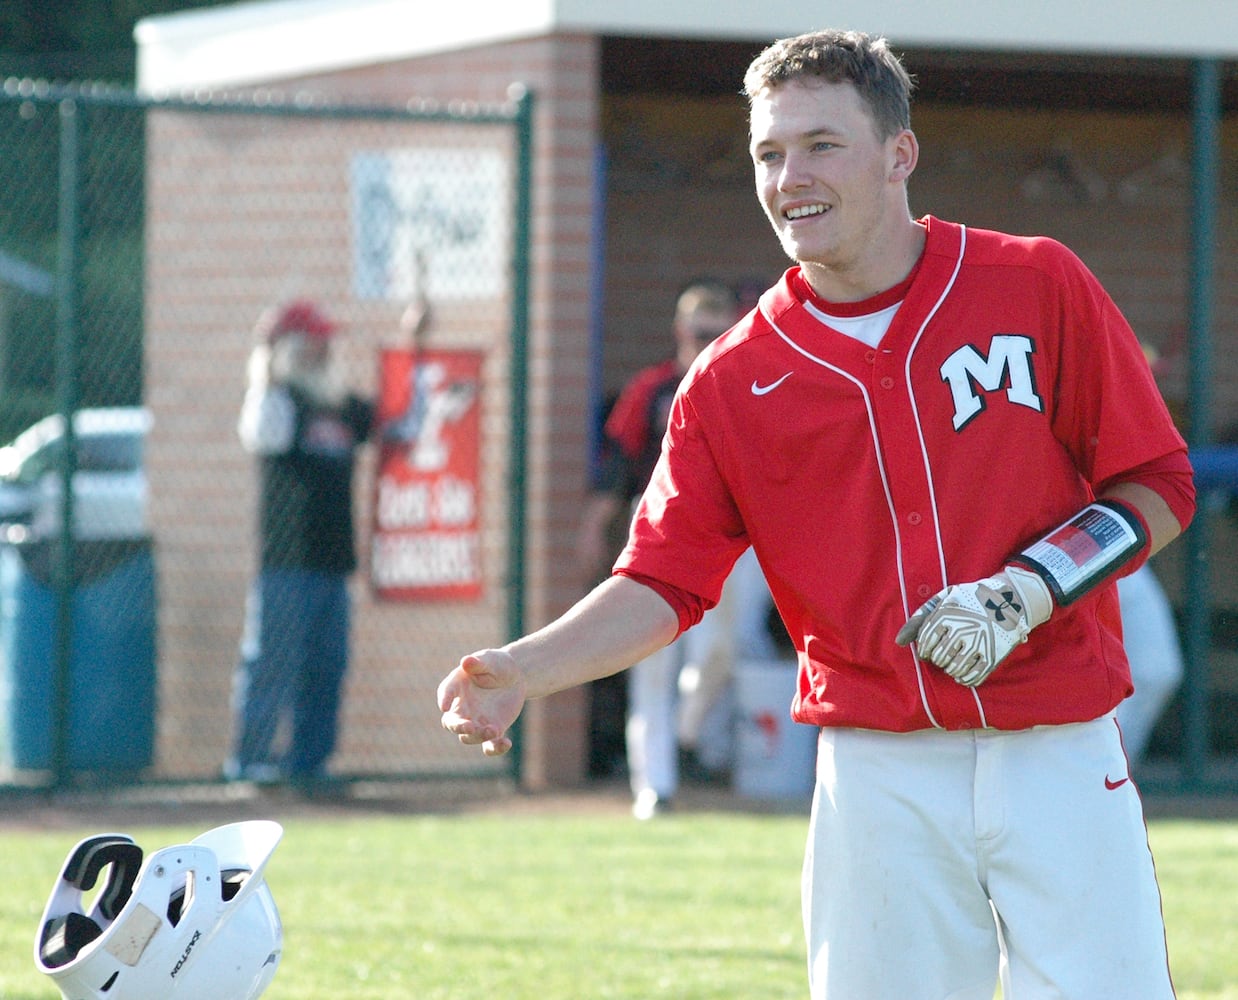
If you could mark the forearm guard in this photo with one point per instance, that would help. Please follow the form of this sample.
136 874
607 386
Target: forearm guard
1085 551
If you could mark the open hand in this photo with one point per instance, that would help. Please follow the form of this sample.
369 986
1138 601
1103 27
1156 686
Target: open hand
481 698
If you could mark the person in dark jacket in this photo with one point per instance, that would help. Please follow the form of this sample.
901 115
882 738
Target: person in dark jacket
304 430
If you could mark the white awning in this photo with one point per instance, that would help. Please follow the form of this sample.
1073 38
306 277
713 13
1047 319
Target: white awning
255 43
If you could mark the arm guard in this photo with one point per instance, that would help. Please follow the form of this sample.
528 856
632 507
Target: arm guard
1086 550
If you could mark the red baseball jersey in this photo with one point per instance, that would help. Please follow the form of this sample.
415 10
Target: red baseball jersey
1007 392
640 411
634 429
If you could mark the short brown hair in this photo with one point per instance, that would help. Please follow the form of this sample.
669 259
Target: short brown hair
706 296
864 61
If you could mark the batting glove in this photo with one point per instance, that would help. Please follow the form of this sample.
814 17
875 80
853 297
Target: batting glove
969 628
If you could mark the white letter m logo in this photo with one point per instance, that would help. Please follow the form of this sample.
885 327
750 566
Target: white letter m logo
969 373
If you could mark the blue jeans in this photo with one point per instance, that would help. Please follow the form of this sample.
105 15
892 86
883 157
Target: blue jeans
294 653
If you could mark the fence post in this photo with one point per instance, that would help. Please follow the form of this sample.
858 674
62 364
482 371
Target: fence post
519 380
67 291
1205 129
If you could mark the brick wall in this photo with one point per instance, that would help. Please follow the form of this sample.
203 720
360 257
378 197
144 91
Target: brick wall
220 249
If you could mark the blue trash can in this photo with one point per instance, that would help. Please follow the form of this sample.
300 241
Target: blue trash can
111 696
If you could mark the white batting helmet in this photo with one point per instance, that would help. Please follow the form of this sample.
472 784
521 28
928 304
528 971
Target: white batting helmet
195 921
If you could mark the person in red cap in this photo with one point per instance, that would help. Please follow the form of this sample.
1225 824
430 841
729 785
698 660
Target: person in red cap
304 428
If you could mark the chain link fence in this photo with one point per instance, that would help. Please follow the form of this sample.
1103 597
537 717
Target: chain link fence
141 242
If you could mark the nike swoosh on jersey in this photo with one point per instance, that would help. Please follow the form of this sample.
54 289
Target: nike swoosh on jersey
761 390
1111 785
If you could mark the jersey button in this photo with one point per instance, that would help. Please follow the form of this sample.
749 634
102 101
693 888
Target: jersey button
924 591
870 356
887 383
914 517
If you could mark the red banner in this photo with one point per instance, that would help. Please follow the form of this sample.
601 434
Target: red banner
426 538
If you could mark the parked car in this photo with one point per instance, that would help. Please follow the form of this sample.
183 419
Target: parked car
109 484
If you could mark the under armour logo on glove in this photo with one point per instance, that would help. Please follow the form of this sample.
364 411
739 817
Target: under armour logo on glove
969 628
1002 606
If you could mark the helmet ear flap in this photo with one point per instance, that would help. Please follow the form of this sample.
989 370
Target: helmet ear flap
92 856
64 936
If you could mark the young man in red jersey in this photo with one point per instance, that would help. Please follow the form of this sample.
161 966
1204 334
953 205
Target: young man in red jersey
944 445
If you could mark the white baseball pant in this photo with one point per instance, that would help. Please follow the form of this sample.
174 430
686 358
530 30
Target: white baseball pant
1151 640
938 862
649 732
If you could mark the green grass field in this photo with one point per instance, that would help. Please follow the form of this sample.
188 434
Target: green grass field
540 906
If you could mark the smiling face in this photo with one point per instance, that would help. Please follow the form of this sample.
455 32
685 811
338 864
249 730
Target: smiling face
832 188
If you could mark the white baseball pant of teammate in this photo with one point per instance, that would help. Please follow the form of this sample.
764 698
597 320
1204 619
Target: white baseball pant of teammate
1155 654
671 693
649 734
738 632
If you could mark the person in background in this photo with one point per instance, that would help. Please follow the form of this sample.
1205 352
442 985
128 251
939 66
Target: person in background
633 439
944 445
1150 635
304 430
735 631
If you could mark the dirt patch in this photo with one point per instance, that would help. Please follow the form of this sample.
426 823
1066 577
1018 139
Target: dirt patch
210 804
206 804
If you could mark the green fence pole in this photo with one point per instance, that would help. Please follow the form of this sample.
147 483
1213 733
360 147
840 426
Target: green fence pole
67 292
1206 113
519 376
